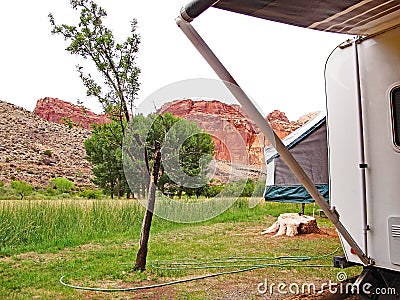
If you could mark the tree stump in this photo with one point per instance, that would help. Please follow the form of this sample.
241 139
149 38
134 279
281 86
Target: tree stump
293 224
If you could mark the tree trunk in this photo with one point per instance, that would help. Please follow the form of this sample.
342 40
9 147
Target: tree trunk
293 224
180 192
148 217
112 191
143 190
119 187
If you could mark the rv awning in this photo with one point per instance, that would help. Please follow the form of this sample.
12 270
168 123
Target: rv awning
348 16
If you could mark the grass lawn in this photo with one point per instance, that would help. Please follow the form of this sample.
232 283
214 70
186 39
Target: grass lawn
94 244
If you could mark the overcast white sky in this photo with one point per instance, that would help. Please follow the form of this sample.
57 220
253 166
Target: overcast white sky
279 66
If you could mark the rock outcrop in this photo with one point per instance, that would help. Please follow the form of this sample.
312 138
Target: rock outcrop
35 150
236 138
234 135
62 112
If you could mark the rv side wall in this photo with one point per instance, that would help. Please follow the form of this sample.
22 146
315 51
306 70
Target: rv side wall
379 60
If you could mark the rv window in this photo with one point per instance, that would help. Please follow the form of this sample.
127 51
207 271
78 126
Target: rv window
396 115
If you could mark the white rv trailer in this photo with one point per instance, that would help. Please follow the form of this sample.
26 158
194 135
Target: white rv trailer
363 107
364 132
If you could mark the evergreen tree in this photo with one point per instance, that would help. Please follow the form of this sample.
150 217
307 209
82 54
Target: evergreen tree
103 150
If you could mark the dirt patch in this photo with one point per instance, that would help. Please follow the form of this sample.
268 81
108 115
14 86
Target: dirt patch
232 287
91 246
48 257
167 292
324 232
32 257
325 296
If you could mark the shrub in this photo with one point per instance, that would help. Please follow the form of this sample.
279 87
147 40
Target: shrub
48 153
62 185
259 189
91 194
248 188
68 122
210 191
22 188
50 191
64 196
241 188
4 192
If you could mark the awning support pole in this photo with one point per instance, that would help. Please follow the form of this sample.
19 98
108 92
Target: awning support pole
266 129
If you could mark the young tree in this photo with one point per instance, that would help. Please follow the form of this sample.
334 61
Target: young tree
115 62
186 152
116 65
22 188
103 150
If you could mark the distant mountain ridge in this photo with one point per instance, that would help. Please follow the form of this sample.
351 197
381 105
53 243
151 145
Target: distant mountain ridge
230 127
36 148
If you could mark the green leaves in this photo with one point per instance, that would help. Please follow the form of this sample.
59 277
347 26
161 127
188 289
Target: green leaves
115 62
62 185
186 151
22 188
103 150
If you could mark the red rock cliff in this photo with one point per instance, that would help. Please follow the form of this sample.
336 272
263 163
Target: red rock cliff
56 111
231 128
281 124
233 134
236 138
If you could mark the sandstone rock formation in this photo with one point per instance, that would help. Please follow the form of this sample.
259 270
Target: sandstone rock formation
35 150
237 139
281 124
307 117
239 144
59 111
234 135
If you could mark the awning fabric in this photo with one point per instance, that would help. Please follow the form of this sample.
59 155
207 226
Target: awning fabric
347 16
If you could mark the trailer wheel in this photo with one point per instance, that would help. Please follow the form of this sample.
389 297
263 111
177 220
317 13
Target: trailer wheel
377 284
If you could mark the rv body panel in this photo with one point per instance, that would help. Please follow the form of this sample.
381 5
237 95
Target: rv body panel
379 69
343 144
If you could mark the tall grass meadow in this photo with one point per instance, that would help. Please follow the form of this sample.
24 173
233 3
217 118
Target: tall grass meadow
42 225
